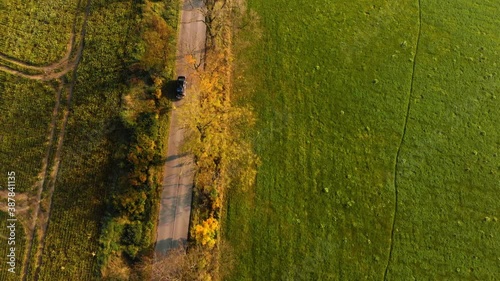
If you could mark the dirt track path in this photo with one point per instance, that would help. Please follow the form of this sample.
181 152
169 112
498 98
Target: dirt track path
178 171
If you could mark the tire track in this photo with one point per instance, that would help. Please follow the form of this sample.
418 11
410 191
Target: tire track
44 216
398 153
41 219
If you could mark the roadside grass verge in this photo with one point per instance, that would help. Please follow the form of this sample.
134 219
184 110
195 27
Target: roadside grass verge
38 32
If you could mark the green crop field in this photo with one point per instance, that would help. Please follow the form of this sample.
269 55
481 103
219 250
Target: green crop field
62 130
71 243
5 249
38 32
25 113
378 134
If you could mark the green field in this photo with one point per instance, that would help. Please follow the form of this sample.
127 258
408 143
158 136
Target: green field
38 32
378 138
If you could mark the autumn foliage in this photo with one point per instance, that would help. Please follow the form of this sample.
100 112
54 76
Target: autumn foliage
216 136
223 157
206 231
157 37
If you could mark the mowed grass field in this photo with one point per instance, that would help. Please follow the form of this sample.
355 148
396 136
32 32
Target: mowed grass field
38 32
378 140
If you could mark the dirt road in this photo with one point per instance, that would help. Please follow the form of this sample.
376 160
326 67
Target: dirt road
175 209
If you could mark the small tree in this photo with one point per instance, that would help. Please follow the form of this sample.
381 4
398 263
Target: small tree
205 233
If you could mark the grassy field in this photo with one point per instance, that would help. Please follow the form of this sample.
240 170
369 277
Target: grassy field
38 32
349 187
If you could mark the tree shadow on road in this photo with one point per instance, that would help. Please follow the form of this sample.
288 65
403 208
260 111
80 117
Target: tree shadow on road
163 246
177 156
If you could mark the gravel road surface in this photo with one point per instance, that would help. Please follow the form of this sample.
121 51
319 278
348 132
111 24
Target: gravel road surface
175 209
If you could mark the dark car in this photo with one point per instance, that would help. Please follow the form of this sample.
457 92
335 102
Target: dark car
181 85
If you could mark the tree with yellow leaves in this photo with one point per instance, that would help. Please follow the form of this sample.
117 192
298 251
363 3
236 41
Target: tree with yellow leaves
205 233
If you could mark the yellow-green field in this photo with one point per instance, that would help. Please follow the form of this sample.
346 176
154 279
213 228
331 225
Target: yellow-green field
63 136
18 244
38 32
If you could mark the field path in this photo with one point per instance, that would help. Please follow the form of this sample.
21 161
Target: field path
178 171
